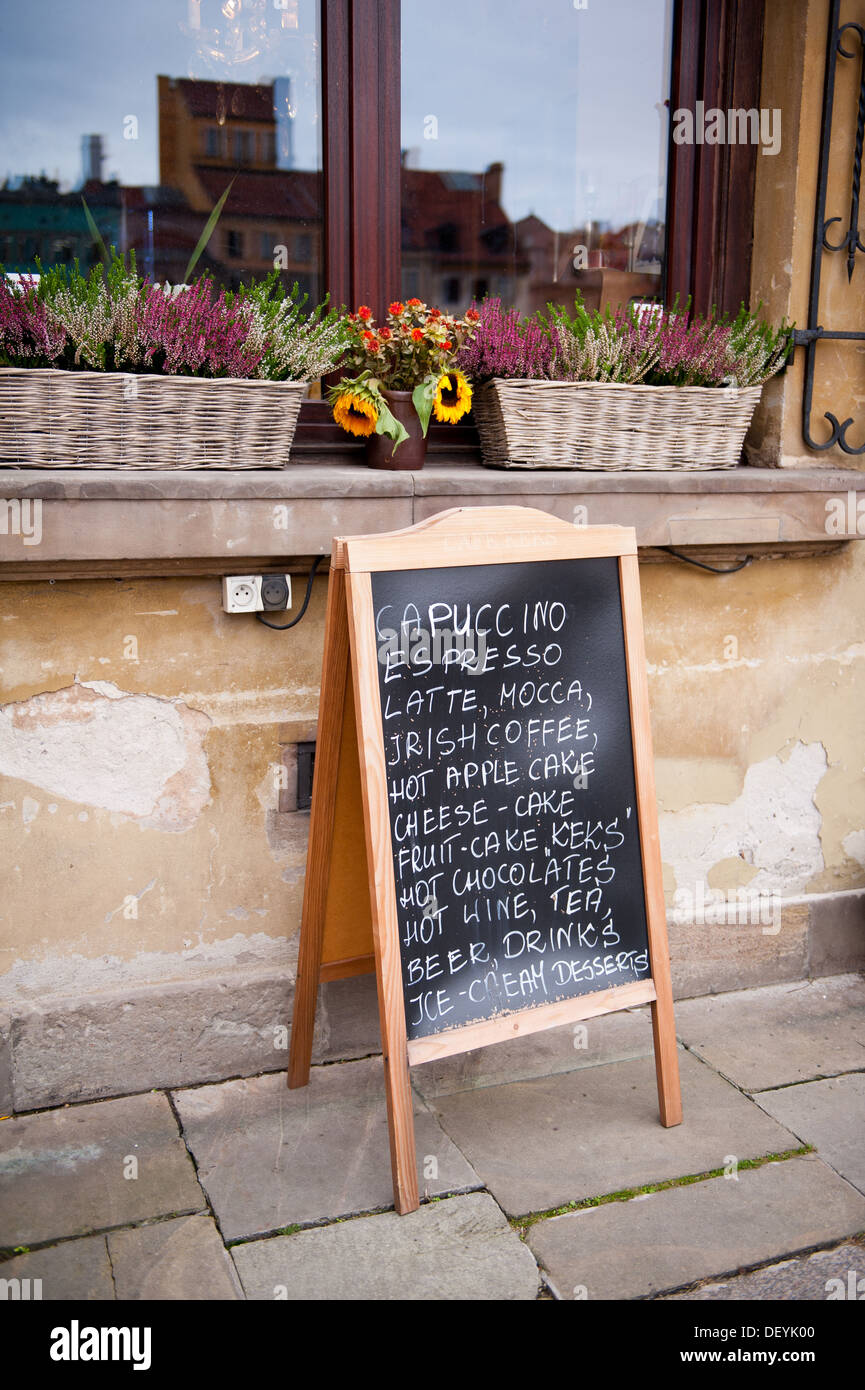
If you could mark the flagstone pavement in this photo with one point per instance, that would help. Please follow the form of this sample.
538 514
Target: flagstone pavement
544 1171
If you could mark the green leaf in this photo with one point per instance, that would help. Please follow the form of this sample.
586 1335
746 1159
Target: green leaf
207 233
95 233
387 425
423 396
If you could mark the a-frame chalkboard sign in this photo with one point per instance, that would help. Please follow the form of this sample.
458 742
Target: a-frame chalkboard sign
483 829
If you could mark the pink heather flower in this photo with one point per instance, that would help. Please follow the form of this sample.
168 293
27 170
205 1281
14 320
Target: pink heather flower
691 352
504 345
195 334
30 335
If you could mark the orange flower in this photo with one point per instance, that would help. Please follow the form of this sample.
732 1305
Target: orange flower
435 313
414 303
395 308
417 334
472 315
447 344
364 312
385 333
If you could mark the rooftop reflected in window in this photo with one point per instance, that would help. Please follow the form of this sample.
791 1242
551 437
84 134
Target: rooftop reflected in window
148 114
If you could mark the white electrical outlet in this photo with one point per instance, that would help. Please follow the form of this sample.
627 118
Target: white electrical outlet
241 593
256 593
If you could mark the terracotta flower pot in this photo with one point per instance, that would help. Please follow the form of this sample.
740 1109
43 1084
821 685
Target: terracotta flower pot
412 452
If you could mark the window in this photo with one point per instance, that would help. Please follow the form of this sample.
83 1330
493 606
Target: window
213 142
553 149
393 149
267 147
159 108
243 146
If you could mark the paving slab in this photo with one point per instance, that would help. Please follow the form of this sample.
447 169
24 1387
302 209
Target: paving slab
181 1260
762 1038
836 1274
73 1270
610 1038
664 1240
62 1172
539 1144
828 1114
461 1248
269 1157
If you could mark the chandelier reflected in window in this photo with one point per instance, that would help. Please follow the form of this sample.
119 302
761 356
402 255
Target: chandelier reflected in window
226 35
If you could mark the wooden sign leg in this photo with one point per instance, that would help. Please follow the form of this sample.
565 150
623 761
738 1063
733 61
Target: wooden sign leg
666 1057
663 1022
385 927
334 674
400 1117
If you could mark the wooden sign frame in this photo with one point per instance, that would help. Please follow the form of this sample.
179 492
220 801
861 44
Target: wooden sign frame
349 924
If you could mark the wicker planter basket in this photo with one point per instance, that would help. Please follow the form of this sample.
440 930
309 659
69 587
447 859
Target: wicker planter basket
598 425
56 419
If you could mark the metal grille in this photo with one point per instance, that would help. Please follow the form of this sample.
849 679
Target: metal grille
842 44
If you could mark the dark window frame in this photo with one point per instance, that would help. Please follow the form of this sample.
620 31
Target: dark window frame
716 58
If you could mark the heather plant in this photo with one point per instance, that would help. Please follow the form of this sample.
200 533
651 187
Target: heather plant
196 333
505 344
296 347
98 313
632 344
113 320
712 351
30 336
601 346
757 350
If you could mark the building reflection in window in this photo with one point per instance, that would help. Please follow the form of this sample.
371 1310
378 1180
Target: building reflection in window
534 150
185 97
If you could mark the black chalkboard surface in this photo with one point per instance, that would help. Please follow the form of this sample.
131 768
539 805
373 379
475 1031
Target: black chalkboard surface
510 782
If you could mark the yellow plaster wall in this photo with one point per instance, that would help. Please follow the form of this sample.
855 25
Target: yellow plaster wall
764 669
87 878
793 70
745 670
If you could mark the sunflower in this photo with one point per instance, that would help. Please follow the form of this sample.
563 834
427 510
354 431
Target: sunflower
453 398
354 414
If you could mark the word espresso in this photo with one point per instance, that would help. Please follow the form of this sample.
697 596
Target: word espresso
423 649
511 793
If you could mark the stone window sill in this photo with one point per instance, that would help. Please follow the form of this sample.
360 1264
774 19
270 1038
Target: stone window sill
104 522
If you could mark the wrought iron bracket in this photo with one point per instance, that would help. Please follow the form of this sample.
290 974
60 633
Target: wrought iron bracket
851 242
